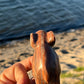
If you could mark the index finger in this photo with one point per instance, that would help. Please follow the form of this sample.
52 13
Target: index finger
27 63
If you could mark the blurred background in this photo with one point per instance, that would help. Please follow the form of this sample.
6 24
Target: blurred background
18 18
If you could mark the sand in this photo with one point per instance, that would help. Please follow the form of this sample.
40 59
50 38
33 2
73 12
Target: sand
69 46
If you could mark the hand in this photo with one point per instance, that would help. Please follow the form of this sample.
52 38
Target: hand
17 73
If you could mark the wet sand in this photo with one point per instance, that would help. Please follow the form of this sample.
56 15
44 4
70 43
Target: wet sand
69 46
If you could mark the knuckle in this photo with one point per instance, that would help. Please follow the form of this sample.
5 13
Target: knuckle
18 65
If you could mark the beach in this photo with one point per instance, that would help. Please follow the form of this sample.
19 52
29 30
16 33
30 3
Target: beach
69 46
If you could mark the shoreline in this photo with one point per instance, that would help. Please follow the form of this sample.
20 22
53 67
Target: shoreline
12 40
69 46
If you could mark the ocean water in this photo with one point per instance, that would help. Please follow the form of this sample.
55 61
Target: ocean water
18 18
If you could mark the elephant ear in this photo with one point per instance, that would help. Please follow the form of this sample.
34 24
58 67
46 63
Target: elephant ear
50 38
33 39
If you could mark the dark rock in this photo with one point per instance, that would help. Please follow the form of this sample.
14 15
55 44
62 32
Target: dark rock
82 46
24 54
78 60
62 38
11 62
64 71
74 46
74 39
64 51
1 53
71 66
2 60
17 60
55 48
73 57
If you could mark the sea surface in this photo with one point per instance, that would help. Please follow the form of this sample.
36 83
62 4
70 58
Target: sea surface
18 18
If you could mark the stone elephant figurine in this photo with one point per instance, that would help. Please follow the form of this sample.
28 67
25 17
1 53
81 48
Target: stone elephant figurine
45 64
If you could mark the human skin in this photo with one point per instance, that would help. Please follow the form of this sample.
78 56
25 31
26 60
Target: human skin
17 73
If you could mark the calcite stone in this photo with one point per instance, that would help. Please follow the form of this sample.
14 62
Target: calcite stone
45 64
